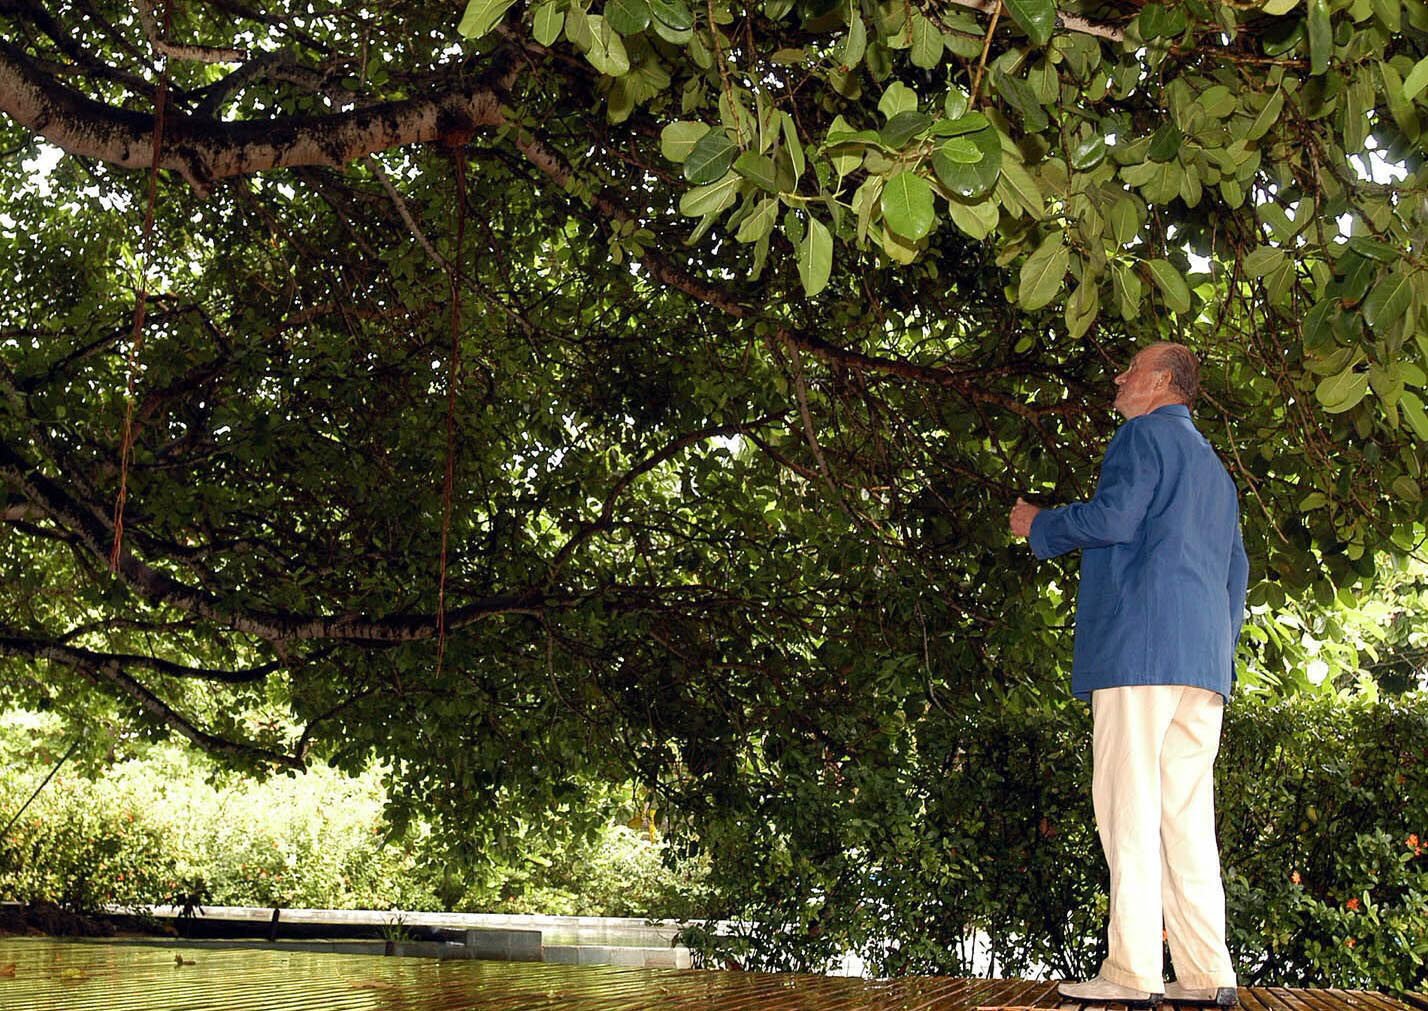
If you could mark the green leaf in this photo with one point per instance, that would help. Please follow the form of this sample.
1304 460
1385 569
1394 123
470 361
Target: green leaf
1267 117
1282 37
865 199
628 17
1127 289
1388 302
1037 18
1341 392
1321 37
977 220
1416 80
1412 408
672 14
712 156
1171 284
815 257
1082 308
548 19
793 144
1319 326
1262 260
898 98
677 139
758 169
1088 153
1028 193
1278 8
760 223
710 199
607 52
1375 250
1407 489
481 16
1125 220
855 44
1165 143
907 205
971 179
1358 272
1218 101
674 36
1389 13
961 150
927 47
1158 21
969 122
903 127
1043 273
577 28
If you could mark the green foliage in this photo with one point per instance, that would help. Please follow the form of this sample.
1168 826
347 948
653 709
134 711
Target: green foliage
169 828
981 832
1322 822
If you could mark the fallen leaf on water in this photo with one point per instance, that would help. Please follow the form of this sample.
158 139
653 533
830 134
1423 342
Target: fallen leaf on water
7 971
372 984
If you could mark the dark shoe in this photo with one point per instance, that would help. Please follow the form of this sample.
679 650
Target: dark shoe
1219 996
1102 991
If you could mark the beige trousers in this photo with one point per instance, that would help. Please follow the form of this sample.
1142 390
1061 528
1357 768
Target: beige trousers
1153 788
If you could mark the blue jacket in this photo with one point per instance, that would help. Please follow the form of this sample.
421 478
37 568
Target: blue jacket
1163 566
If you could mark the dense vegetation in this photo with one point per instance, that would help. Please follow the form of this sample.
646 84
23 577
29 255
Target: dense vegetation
159 824
560 398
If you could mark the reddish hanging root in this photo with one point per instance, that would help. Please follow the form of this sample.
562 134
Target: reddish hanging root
452 378
136 332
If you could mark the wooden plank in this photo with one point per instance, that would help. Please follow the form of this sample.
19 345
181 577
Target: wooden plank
1375 1001
1289 1000
1258 998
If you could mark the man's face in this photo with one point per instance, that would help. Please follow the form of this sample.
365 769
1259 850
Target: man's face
1140 384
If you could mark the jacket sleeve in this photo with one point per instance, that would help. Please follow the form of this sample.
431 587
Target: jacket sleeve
1236 586
1129 475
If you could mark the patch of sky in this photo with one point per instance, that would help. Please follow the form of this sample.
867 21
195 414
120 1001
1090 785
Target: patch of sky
41 165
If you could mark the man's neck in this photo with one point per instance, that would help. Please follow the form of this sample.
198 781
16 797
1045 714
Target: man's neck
1165 400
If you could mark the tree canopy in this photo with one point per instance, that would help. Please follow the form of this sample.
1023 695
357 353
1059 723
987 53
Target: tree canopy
638 392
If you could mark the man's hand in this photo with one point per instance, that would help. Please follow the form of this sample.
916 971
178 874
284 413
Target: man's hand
1021 516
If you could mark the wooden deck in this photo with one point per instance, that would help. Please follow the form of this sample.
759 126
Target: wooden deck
40 975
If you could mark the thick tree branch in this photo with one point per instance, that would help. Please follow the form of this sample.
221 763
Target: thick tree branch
108 671
74 656
204 150
1068 21
192 53
92 529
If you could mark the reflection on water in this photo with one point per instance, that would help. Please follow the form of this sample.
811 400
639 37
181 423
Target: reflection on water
45 975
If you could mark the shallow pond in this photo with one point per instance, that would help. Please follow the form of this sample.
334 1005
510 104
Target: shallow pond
47 975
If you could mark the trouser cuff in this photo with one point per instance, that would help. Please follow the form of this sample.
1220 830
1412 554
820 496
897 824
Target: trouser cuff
1206 981
1121 977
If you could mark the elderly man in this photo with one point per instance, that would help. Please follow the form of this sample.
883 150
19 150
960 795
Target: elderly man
1161 601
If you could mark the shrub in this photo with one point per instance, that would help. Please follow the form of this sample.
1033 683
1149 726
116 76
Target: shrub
168 828
976 829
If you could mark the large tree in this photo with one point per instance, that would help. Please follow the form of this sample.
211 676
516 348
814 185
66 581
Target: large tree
639 392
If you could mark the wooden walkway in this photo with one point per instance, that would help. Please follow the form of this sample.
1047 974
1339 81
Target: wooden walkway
38 975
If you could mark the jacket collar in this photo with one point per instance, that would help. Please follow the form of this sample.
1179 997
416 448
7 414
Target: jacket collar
1178 410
